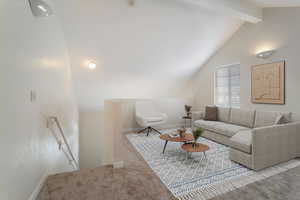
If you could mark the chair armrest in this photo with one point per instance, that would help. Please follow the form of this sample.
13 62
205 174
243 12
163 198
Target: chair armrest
275 144
197 115
141 120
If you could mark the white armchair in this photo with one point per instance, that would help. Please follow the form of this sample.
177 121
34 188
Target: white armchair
147 116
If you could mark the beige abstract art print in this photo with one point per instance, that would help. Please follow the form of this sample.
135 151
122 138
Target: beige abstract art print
268 83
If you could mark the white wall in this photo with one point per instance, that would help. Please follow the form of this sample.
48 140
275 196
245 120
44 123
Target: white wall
280 30
173 107
95 143
97 128
33 56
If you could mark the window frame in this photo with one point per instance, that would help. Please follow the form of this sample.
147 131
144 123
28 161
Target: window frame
229 85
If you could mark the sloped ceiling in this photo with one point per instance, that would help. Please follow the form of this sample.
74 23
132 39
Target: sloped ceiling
276 3
147 50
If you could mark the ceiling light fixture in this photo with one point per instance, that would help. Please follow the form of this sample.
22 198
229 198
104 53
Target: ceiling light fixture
265 54
92 65
40 9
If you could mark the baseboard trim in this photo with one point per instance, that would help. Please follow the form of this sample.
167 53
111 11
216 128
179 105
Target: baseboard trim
118 165
39 186
129 130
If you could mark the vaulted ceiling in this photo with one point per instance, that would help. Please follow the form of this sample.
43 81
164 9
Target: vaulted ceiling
145 48
276 3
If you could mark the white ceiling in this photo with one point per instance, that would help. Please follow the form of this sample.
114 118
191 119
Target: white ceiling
276 3
149 50
241 9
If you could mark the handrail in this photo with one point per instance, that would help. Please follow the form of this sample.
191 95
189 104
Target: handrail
55 119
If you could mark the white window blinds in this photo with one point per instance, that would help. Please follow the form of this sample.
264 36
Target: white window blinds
227 86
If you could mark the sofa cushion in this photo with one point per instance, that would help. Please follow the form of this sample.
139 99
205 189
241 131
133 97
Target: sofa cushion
279 120
265 118
268 118
220 127
242 117
242 141
287 116
211 113
223 114
229 129
208 125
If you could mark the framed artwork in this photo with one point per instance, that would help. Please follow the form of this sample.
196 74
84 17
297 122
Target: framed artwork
268 83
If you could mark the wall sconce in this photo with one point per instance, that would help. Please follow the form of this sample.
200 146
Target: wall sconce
40 9
265 54
92 65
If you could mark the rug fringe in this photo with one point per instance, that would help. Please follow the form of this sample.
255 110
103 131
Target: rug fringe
230 185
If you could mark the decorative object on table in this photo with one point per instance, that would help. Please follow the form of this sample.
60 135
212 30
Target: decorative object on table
188 110
197 134
185 120
167 138
211 113
174 134
268 83
182 132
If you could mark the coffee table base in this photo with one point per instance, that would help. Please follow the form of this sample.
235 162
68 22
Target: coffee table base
165 146
193 148
166 142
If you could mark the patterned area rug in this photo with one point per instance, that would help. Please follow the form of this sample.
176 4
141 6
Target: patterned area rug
197 178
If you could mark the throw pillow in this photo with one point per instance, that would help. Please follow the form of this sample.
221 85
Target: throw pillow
211 113
280 120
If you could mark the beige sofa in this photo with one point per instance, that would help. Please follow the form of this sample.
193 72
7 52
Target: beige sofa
254 139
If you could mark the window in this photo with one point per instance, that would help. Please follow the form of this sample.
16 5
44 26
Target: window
227 86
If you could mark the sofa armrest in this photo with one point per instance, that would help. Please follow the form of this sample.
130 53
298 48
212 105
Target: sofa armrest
275 144
197 115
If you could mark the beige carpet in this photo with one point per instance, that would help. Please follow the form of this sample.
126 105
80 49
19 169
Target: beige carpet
134 182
